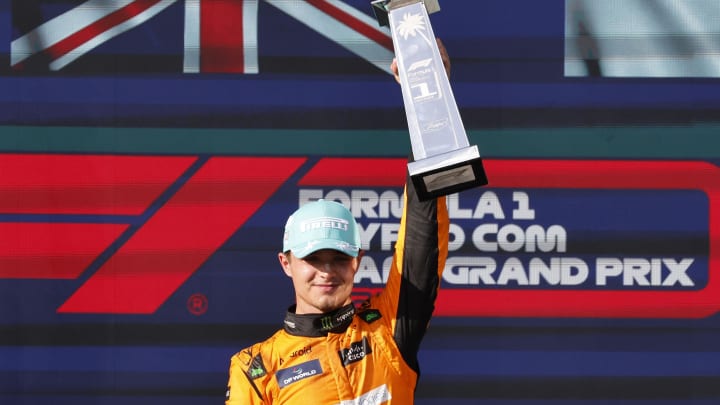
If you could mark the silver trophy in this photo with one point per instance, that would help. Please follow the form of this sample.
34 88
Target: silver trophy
444 162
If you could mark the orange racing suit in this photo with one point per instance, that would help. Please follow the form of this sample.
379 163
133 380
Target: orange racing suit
365 355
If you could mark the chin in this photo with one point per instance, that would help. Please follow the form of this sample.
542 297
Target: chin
330 305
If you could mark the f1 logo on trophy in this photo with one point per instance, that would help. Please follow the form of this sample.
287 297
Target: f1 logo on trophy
444 162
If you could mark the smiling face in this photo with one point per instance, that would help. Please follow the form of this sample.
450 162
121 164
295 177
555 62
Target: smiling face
323 280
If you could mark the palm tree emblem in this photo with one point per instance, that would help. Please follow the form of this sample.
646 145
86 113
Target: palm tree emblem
412 25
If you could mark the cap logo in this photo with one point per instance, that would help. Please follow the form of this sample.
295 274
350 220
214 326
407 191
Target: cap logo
321 225
310 244
324 222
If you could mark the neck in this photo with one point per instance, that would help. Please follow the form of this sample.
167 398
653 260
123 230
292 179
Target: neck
335 321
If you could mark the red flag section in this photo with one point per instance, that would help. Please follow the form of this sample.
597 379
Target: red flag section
221 36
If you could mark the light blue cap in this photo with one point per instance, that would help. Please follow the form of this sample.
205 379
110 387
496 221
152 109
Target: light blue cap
319 225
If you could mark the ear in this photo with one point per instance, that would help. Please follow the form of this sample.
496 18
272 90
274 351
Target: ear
285 263
358 260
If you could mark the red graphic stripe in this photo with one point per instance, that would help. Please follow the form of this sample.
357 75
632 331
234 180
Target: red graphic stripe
357 25
85 184
616 174
221 36
599 175
181 236
356 172
111 20
52 250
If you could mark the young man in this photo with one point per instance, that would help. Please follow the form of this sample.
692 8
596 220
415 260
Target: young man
329 351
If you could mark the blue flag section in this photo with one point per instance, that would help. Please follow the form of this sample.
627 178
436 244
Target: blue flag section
151 151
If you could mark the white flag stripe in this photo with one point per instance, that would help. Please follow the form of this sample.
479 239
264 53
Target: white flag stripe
191 55
338 32
103 37
708 46
61 27
370 21
250 38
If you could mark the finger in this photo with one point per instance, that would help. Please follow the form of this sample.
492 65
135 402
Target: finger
395 70
444 55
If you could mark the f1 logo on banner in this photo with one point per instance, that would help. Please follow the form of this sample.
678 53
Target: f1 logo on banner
207 200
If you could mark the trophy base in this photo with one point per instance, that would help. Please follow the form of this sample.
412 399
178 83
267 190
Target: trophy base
447 173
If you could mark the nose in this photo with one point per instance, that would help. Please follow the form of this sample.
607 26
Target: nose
326 267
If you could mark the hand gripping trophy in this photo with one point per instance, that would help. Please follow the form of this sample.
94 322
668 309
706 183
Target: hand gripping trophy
444 162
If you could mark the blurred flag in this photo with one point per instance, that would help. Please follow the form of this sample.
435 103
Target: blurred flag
218 36
642 38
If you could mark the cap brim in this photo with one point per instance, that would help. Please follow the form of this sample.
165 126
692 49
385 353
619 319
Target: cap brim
311 247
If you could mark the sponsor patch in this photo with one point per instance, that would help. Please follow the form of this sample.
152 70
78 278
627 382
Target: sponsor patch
375 396
257 368
301 352
294 374
356 352
370 316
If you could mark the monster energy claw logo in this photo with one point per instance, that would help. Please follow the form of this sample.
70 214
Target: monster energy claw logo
326 323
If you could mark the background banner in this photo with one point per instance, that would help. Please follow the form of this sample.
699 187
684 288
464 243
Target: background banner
151 151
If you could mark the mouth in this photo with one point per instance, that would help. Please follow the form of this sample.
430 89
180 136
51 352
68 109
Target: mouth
326 287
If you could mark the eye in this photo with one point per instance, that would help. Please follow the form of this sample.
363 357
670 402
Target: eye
312 258
342 258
